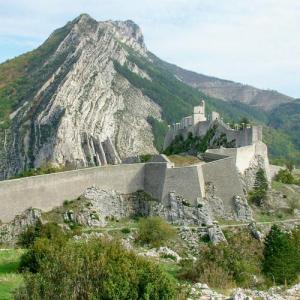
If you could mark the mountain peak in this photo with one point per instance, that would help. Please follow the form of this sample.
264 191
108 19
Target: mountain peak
131 31
127 32
84 17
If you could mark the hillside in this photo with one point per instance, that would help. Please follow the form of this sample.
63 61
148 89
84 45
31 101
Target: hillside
230 91
287 118
93 94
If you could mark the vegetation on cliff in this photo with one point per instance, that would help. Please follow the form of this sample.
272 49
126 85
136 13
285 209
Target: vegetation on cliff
193 144
21 76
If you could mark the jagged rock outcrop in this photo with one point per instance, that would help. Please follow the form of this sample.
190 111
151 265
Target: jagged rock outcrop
97 206
242 209
80 111
215 203
9 232
202 291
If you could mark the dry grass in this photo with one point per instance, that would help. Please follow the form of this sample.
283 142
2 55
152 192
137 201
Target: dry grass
184 160
296 173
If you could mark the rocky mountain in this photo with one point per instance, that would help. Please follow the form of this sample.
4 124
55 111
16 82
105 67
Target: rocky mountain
93 94
230 91
67 103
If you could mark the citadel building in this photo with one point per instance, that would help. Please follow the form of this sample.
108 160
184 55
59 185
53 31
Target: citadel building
198 125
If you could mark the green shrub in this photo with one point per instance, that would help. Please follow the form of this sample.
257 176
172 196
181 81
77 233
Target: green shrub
125 230
39 230
145 158
285 176
168 256
31 260
281 262
97 269
226 265
155 231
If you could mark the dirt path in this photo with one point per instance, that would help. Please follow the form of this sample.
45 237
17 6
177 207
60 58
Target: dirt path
222 226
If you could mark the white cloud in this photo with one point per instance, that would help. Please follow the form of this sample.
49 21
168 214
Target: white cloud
251 41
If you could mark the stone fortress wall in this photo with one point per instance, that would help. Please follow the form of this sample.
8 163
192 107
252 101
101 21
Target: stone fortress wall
245 156
156 178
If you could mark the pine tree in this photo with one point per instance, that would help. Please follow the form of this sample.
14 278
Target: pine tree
259 193
280 264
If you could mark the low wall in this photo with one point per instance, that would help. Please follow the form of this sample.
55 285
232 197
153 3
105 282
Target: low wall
48 191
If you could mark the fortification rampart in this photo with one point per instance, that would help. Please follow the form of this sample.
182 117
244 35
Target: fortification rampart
224 177
244 156
156 178
48 191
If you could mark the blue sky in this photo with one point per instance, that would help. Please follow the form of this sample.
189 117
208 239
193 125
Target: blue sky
250 41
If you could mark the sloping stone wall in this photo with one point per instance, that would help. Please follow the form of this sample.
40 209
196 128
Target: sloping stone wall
223 175
48 191
158 179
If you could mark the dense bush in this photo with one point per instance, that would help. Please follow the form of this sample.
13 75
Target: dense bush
226 264
259 192
37 239
155 231
39 230
285 176
281 262
97 269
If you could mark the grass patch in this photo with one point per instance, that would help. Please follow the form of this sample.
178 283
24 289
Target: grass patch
9 278
184 160
228 222
56 214
172 268
270 217
296 174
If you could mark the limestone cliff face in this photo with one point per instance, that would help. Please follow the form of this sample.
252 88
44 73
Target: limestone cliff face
82 111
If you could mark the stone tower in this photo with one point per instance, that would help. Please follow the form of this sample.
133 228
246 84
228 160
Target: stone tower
199 113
